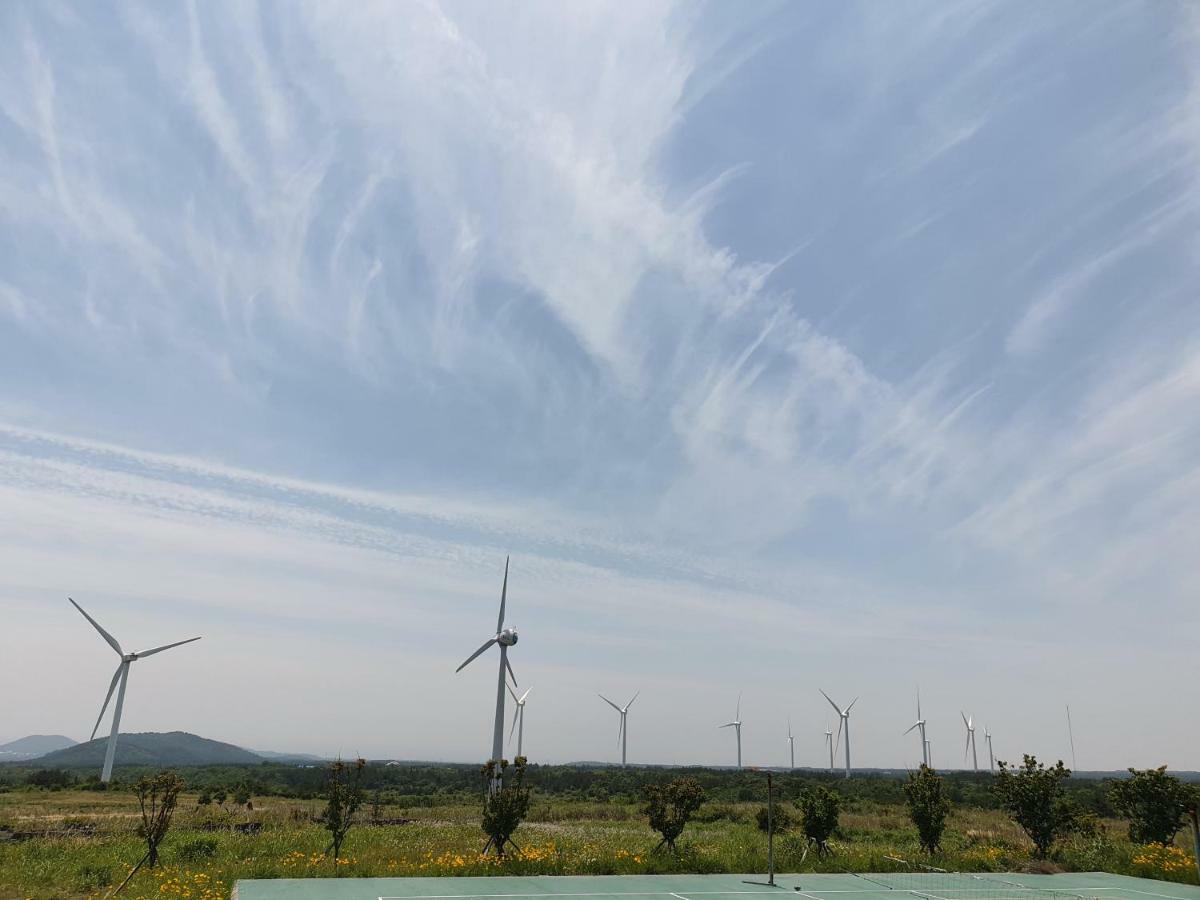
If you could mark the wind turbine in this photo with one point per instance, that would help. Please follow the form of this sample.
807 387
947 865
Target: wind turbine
969 721
844 723
987 736
829 744
736 724
505 637
518 718
792 744
121 675
622 729
920 723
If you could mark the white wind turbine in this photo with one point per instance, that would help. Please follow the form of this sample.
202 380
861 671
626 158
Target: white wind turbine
920 723
969 721
987 736
736 724
844 724
505 637
122 675
829 744
623 728
519 719
792 744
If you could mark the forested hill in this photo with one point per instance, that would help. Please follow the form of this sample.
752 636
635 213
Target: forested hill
174 748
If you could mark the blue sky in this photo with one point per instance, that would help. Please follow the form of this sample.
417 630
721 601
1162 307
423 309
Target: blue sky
841 345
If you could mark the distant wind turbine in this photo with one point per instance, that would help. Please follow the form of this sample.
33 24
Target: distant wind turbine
736 724
987 736
519 718
505 637
920 723
122 675
623 728
843 725
792 744
969 721
829 744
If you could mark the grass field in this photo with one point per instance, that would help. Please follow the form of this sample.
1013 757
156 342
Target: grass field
203 856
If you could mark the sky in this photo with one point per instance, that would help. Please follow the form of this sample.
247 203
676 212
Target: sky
839 345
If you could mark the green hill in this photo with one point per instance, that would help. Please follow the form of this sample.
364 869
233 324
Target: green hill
34 745
173 748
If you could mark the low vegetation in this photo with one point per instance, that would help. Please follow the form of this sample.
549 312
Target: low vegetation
67 841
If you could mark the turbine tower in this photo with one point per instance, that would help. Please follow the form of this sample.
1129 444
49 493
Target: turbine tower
843 724
987 736
736 724
969 721
505 637
829 744
792 745
929 753
623 728
121 675
519 719
920 723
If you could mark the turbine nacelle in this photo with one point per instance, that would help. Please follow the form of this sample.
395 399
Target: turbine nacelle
507 637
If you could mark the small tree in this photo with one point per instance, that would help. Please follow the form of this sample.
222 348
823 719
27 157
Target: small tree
505 806
219 796
241 796
1155 803
670 807
927 807
344 795
157 796
205 798
820 808
1034 796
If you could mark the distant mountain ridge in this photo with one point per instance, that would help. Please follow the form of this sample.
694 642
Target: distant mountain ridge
34 745
172 748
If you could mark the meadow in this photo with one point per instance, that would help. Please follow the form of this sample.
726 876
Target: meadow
86 843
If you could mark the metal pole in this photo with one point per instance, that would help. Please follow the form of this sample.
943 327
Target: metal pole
770 831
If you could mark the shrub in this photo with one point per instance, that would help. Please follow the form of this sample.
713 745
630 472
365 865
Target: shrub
343 797
781 819
819 811
504 807
197 850
927 807
1155 804
157 796
1034 796
670 807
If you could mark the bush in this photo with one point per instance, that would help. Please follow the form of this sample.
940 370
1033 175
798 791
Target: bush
197 850
50 779
781 819
1155 804
670 807
819 810
927 807
1034 796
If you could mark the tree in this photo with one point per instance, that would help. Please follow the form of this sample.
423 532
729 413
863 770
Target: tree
241 796
1155 803
927 807
820 808
157 796
670 807
1034 796
504 806
344 795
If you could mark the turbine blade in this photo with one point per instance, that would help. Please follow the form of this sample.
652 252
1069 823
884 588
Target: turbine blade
738 715
524 695
838 742
511 673
503 596
609 702
964 718
475 654
727 725
511 692
836 708
146 653
112 641
630 703
516 715
620 730
851 706
911 727
967 746
111 687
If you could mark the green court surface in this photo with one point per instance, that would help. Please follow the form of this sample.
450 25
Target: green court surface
941 886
